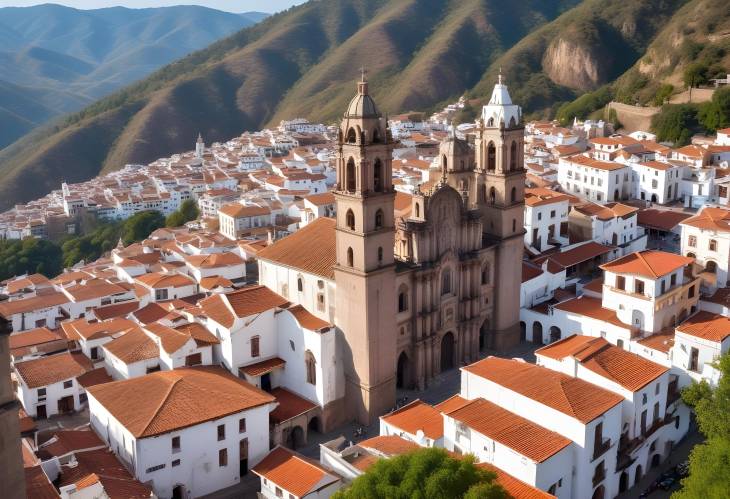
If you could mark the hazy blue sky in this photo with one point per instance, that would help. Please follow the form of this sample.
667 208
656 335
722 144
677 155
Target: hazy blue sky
229 5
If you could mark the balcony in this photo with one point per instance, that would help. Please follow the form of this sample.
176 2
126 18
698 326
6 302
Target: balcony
599 450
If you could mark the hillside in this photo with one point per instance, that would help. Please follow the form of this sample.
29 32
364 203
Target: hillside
55 59
301 62
585 48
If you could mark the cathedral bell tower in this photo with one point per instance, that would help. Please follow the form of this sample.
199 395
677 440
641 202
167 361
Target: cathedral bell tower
365 271
500 180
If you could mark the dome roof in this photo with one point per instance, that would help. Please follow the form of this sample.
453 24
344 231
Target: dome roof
362 105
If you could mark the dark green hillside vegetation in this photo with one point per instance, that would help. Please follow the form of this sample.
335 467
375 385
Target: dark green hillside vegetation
678 122
302 62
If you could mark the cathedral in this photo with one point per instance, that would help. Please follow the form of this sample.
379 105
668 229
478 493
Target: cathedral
419 284
451 285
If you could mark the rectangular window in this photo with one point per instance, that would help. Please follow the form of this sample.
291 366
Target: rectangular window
621 282
155 468
41 393
68 384
552 214
242 425
255 346
175 444
176 462
639 286
694 357
221 432
673 280
664 286
223 457
692 242
160 294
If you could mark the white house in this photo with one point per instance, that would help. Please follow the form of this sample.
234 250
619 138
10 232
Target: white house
612 224
34 311
49 385
595 180
706 238
698 342
546 218
187 432
585 414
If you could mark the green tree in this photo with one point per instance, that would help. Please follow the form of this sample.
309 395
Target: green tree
424 474
140 225
715 115
709 462
29 256
187 212
695 74
662 94
676 123
584 105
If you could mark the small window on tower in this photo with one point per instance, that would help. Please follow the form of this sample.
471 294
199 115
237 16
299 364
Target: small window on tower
380 255
350 257
350 220
379 219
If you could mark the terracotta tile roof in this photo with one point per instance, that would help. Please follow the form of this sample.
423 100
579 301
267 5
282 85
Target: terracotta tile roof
627 369
321 199
53 369
596 285
290 405
134 346
81 328
706 325
37 485
116 310
311 249
657 165
170 339
83 292
150 313
514 487
451 404
308 320
591 307
293 472
65 441
214 260
417 417
263 367
27 423
530 271
571 396
665 220
27 282
31 338
662 341
157 280
576 255
214 282
517 433
543 197
10 308
243 302
721 297
605 212
594 163
237 210
390 445
103 466
166 401
94 377
649 263
717 219
198 332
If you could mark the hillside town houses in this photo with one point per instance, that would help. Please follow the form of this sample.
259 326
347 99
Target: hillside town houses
211 352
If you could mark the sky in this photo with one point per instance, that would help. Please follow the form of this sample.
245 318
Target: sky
270 6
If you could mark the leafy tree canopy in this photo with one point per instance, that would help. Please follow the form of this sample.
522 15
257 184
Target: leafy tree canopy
140 225
676 123
710 461
424 474
715 114
187 212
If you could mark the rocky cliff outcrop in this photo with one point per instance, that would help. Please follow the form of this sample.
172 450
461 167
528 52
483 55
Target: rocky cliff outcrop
573 65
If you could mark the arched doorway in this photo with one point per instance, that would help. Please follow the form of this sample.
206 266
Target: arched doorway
402 373
554 333
523 331
484 335
623 482
638 475
295 438
637 319
537 332
615 195
313 424
711 267
447 352
653 198
655 460
599 492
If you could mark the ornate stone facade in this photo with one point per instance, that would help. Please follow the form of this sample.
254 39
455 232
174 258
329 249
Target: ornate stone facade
451 286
